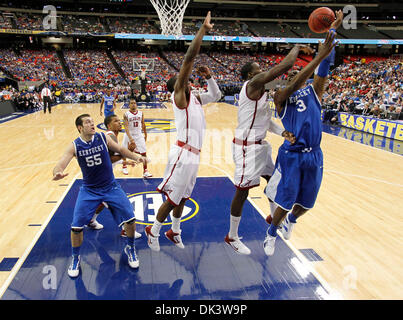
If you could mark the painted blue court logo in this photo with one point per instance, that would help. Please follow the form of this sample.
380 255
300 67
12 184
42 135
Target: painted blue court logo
207 269
152 125
146 205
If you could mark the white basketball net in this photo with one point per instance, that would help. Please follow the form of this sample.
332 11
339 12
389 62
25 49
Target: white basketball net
171 14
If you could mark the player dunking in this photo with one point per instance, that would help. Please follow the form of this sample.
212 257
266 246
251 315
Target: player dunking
99 185
251 153
184 157
113 125
299 167
133 138
108 103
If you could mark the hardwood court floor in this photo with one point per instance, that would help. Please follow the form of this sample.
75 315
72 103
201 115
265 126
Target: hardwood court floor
355 226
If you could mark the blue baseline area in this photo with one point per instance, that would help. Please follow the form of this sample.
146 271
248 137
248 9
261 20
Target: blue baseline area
18 114
207 269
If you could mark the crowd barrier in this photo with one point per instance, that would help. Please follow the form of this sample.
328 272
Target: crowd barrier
7 107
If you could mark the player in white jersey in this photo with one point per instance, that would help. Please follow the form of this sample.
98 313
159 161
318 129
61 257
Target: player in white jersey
184 157
113 125
133 138
251 153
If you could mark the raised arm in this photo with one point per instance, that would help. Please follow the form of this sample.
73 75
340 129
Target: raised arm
124 152
257 83
63 163
187 65
324 50
322 71
115 157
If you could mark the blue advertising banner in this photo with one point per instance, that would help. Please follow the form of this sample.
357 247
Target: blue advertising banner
253 39
205 38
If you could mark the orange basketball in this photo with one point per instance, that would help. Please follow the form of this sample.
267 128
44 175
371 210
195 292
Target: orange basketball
321 19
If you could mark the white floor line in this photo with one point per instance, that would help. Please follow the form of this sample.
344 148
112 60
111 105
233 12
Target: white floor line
363 177
21 260
28 165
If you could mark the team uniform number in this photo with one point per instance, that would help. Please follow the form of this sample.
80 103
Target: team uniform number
94 160
301 106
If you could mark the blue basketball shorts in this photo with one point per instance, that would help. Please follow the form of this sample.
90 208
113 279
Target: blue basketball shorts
296 178
90 198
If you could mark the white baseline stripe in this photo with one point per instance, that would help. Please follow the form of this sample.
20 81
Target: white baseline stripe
363 177
21 260
28 165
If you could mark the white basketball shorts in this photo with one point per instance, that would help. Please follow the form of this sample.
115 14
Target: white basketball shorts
251 162
180 174
138 140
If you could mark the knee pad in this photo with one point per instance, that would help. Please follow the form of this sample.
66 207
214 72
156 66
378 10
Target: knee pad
77 230
131 221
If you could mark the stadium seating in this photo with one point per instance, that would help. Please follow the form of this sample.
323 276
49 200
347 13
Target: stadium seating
98 24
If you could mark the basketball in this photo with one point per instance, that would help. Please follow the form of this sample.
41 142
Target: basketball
321 19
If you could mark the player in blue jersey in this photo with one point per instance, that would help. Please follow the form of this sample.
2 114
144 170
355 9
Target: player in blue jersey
108 103
298 172
99 185
114 126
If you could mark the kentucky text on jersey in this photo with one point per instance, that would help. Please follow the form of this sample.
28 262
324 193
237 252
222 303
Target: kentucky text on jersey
91 151
94 161
302 117
299 94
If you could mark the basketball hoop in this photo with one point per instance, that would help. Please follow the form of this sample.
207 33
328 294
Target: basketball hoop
170 13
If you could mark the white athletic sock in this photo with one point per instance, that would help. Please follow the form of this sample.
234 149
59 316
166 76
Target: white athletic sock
233 227
176 224
273 208
155 229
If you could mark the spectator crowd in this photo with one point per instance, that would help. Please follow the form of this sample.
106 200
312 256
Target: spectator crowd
369 86
366 86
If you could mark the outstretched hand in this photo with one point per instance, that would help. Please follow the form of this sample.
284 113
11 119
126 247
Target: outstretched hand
287 135
203 72
326 47
143 160
59 176
130 163
306 50
207 22
339 19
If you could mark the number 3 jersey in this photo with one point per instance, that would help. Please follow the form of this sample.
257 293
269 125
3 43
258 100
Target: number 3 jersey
302 116
94 161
